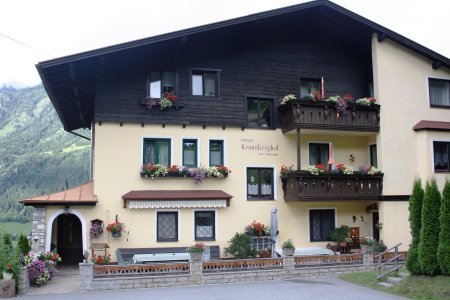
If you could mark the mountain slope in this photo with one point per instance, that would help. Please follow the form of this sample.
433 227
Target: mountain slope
36 155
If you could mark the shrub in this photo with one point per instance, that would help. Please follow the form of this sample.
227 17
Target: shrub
444 235
23 244
379 246
239 246
429 232
415 221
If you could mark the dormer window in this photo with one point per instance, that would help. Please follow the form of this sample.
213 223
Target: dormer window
161 82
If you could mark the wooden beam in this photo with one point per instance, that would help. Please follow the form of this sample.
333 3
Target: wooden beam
381 37
437 64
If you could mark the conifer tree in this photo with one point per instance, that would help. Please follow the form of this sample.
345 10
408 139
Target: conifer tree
429 232
444 235
415 220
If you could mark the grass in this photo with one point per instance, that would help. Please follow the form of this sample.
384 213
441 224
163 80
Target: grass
15 227
74 147
414 287
7 129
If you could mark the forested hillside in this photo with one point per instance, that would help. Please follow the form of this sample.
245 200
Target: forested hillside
36 155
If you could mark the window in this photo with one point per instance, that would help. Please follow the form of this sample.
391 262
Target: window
441 153
205 225
161 82
190 153
260 113
205 83
260 183
373 155
167 226
308 86
216 153
439 92
157 151
321 221
319 153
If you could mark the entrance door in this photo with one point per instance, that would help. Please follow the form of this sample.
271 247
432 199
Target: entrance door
69 240
375 220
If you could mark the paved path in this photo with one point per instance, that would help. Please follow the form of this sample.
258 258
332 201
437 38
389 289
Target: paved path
311 288
67 280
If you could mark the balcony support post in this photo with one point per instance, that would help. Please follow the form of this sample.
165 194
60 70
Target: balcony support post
298 149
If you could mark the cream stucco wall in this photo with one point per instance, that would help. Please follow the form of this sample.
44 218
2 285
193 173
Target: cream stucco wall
118 157
401 87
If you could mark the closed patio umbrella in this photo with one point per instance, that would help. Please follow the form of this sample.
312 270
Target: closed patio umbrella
273 229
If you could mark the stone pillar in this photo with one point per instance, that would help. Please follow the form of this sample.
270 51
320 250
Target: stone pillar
86 276
195 271
24 281
288 266
38 229
368 259
7 288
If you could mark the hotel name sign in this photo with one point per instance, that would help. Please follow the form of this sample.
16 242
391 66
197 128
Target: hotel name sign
262 148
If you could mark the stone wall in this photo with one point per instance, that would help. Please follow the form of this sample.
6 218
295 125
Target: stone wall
38 229
198 277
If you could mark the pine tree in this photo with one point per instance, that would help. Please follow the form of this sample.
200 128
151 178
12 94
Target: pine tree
444 235
429 232
415 220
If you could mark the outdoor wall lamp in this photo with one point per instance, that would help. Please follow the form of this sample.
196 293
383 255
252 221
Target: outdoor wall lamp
362 218
66 209
354 219
352 157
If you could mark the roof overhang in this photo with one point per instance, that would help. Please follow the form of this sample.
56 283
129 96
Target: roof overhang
432 125
82 195
71 81
176 199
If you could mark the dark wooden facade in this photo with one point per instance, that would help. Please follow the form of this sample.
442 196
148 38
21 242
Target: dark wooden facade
266 69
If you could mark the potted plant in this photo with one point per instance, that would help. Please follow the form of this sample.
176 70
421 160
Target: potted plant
96 230
116 228
196 251
8 272
265 253
288 248
340 235
367 244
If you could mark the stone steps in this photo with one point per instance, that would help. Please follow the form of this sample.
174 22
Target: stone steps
391 281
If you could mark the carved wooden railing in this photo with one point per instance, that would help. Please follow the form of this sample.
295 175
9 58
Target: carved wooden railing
153 269
321 260
306 187
242 264
323 115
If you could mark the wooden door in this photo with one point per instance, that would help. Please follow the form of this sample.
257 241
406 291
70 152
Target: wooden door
69 240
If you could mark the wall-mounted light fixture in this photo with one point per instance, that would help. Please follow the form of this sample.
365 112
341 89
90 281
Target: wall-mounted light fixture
354 219
362 218
352 157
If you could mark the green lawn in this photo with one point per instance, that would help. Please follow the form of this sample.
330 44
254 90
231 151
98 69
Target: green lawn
15 227
414 287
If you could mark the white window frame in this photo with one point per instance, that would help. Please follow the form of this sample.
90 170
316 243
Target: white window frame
309 221
157 137
178 227
432 154
215 224
224 149
275 181
198 149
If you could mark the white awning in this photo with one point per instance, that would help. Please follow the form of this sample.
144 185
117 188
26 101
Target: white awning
213 203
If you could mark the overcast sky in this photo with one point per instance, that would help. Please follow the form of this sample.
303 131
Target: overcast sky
55 28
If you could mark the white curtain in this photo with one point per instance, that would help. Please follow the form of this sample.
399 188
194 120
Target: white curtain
163 158
439 92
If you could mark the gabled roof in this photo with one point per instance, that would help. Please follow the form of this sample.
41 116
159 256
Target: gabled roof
79 195
70 81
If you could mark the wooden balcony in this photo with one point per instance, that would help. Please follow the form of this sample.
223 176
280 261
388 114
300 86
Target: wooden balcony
303 186
323 115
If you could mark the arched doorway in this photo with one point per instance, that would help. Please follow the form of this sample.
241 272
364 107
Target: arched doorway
67 239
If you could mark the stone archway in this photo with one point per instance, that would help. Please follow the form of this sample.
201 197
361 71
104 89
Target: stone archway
66 230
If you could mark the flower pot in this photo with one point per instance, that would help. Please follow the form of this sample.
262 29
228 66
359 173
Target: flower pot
342 244
117 234
7 276
288 251
196 256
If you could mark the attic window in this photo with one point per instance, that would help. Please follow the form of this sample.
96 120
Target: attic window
439 90
205 83
161 82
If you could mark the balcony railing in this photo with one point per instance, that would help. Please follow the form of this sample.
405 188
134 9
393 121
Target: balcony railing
323 115
302 186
